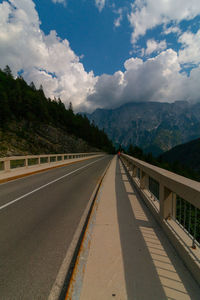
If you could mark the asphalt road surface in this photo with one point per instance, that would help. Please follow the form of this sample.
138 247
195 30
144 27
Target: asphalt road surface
39 215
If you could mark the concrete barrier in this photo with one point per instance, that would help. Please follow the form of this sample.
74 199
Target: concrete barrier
8 164
19 166
169 191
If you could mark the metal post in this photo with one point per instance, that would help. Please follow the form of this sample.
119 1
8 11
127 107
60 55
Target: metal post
195 229
189 219
184 214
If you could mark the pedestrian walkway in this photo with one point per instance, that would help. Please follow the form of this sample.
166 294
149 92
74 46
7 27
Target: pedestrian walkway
125 253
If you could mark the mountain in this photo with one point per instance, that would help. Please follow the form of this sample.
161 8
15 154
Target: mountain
187 154
154 126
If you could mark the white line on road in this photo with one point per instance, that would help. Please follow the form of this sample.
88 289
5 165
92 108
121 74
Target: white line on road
43 186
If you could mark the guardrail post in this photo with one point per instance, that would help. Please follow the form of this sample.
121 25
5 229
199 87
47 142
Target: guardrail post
143 180
134 171
26 163
7 165
166 202
128 165
174 205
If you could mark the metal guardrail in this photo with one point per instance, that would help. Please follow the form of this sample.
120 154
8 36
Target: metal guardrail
15 162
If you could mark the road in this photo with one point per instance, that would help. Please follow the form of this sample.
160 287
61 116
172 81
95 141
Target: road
38 218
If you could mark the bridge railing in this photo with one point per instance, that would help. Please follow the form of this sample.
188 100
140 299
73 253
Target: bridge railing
14 162
175 202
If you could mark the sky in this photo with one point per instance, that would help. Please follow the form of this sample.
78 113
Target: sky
104 53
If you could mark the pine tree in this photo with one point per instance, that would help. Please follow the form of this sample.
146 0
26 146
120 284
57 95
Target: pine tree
8 72
70 108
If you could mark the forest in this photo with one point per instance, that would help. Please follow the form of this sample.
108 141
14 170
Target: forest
159 161
20 101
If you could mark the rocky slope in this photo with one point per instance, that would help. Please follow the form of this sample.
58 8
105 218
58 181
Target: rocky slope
22 138
154 126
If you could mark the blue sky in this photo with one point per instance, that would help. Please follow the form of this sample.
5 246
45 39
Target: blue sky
91 33
104 53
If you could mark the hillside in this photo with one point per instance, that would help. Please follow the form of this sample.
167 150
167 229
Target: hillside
187 154
19 139
156 127
32 124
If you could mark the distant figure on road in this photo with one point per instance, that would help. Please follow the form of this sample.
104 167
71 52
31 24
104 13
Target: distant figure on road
118 154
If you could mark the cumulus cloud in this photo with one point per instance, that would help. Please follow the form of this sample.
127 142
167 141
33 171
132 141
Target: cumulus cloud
45 59
49 60
171 29
147 14
117 21
153 46
156 79
190 52
100 4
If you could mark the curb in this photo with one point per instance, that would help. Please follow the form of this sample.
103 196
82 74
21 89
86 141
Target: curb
62 282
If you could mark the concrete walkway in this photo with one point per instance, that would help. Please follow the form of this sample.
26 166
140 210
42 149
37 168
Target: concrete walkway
125 254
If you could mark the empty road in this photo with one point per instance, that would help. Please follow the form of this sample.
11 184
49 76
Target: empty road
39 215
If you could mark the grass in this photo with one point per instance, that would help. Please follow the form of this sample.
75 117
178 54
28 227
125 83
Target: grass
44 160
33 161
17 163
1 165
52 158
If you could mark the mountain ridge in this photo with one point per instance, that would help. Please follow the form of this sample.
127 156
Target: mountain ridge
154 126
188 154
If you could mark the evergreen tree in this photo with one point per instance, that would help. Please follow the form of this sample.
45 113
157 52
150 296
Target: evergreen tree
70 108
32 85
20 101
8 71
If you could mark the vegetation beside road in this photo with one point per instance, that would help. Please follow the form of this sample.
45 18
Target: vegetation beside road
159 161
33 123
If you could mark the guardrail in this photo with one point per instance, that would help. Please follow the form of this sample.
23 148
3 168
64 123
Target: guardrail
175 202
8 164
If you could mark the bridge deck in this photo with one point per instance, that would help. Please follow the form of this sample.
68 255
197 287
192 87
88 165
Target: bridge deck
125 254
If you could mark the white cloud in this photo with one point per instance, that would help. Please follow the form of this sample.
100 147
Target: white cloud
156 79
50 61
133 63
45 59
190 52
117 22
172 29
60 1
147 14
100 4
153 46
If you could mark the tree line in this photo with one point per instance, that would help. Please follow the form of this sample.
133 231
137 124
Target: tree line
175 167
20 101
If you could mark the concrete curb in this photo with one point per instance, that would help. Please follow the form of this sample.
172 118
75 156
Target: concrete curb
60 286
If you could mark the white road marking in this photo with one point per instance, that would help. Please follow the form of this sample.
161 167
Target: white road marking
43 186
